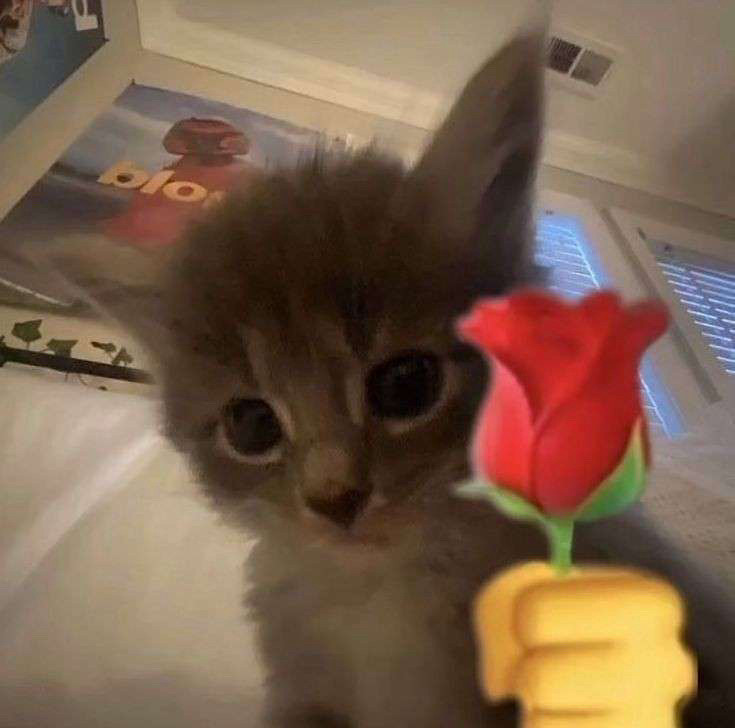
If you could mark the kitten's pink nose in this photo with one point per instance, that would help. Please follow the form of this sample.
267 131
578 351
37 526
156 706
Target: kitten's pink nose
341 509
328 486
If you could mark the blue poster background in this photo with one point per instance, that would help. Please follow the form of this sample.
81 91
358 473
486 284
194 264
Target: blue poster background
54 49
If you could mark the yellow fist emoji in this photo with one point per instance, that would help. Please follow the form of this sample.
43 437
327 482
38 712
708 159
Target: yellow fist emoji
597 648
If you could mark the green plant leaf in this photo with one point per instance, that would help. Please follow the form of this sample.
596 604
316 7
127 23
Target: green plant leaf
28 331
123 358
108 348
62 347
622 487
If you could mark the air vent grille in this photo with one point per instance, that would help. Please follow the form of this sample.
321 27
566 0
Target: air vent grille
591 68
577 62
562 55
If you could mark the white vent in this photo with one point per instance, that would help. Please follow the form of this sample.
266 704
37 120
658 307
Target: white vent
591 67
578 63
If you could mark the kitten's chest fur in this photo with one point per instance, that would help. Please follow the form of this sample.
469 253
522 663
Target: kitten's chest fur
382 637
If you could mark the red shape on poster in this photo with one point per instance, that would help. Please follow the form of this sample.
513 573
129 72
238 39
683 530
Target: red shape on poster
167 201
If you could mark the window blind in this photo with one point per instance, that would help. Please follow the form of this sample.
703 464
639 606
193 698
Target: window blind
706 288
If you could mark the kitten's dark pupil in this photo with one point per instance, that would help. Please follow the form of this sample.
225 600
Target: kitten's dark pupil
252 426
405 387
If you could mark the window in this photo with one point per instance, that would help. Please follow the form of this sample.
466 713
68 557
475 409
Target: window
706 288
574 269
694 273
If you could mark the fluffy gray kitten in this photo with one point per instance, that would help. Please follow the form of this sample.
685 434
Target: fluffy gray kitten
312 375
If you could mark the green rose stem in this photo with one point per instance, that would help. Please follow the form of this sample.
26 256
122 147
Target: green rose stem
560 532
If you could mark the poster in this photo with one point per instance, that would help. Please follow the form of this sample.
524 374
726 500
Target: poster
113 206
42 42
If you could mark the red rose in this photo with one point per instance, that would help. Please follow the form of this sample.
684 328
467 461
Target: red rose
564 406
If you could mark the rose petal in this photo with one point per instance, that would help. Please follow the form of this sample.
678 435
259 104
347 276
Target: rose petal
600 309
582 442
501 450
581 446
645 322
546 342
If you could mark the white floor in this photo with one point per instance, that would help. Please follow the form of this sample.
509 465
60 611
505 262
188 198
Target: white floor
119 598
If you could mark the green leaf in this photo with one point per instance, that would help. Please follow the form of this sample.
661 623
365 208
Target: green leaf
509 503
62 347
474 490
620 489
109 348
123 358
515 506
28 331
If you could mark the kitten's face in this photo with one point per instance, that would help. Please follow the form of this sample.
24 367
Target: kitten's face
334 438
334 393
314 366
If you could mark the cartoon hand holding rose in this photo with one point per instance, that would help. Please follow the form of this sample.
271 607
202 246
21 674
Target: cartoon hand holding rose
562 438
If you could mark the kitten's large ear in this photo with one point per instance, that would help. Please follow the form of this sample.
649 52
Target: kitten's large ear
475 181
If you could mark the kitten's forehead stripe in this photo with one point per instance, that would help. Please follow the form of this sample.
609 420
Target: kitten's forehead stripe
358 326
333 337
355 395
257 353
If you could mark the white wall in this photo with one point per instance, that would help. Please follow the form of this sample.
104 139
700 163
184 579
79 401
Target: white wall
664 122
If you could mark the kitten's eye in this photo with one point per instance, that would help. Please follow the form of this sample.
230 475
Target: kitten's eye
406 386
251 427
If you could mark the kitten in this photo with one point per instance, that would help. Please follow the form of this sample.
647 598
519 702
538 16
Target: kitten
311 373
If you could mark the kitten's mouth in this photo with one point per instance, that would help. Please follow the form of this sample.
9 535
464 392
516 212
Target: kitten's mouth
378 525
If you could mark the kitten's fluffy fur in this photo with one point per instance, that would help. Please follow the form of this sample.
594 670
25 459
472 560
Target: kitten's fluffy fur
292 292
